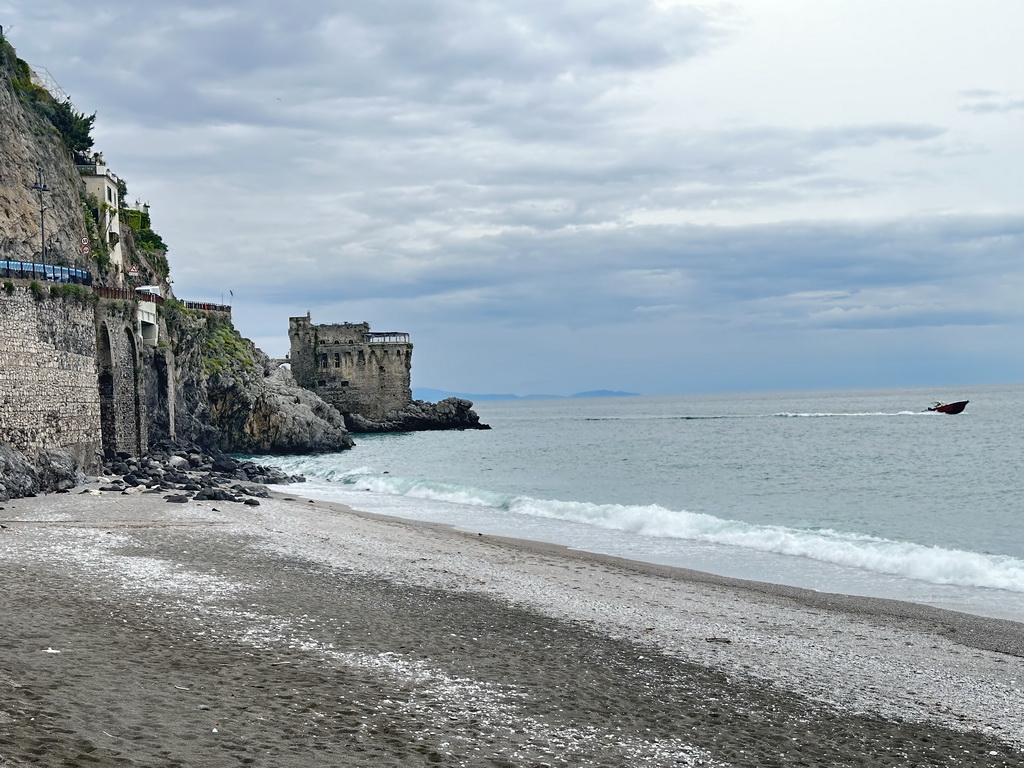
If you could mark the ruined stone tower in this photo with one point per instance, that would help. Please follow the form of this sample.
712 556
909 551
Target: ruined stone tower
351 368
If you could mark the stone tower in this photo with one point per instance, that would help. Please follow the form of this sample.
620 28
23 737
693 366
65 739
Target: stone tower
350 367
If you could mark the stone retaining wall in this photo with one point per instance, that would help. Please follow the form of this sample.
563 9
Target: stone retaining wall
48 394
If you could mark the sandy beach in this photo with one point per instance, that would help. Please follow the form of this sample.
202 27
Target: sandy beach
138 632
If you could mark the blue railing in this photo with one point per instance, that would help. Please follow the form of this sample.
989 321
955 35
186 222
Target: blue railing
52 273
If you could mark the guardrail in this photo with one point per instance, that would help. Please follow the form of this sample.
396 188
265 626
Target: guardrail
127 294
53 273
379 337
204 306
27 270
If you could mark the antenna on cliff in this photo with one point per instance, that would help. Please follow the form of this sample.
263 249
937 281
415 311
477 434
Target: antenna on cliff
40 187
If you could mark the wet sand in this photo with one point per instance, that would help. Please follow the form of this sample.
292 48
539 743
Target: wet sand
137 632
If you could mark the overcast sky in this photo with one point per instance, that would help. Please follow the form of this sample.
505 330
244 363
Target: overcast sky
659 197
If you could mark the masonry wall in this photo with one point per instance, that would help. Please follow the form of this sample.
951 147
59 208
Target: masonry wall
48 394
123 419
370 378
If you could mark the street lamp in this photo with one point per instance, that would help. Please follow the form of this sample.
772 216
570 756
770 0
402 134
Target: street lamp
40 187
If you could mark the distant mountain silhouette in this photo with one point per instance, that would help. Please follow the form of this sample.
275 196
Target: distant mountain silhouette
433 395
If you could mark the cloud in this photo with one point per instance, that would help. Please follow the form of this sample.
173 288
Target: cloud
982 101
544 181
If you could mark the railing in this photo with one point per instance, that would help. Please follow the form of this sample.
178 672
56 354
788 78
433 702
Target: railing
204 306
377 338
127 294
54 273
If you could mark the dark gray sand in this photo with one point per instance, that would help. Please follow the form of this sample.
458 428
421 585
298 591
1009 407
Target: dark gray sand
134 632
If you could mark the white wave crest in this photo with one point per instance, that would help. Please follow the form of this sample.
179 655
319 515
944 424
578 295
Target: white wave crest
915 561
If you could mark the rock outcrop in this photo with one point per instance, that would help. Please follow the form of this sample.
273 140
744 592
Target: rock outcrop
17 477
52 471
232 399
275 416
420 416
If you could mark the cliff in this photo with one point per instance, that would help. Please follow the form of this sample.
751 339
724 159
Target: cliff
232 398
29 142
86 370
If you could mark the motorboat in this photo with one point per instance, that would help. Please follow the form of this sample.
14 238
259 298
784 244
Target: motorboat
956 407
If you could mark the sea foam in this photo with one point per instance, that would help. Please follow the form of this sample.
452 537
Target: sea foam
935 565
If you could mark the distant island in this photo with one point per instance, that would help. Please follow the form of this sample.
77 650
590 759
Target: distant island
434 395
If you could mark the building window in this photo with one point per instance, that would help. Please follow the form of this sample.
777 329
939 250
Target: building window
323 361
337 360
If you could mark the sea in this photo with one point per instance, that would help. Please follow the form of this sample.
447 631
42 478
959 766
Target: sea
856 492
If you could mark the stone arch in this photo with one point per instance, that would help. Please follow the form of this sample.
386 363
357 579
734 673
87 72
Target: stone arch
105 371
159 396
122 412
132 395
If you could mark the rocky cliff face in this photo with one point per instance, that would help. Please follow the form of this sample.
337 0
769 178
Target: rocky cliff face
29 143
231 398
203 383
421 416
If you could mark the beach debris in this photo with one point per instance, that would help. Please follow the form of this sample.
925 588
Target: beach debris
724 640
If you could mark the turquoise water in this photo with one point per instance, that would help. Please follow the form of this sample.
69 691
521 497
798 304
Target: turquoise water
859 492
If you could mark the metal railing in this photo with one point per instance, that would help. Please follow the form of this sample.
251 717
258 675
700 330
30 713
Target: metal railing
127 294
381 337
53 273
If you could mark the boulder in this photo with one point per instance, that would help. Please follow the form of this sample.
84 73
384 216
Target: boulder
18 478
57 471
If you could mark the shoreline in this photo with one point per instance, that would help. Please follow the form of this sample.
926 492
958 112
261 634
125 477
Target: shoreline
976 631
436 636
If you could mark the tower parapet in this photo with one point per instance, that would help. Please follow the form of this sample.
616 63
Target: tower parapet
351 367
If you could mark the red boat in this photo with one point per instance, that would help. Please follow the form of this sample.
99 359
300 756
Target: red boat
956 407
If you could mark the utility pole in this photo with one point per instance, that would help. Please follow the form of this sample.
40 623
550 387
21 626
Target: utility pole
40 187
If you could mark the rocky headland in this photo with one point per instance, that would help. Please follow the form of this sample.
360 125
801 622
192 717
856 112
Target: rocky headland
91 370
421 416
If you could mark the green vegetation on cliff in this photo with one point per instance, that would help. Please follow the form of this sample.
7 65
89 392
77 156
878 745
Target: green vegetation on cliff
74 127
225 351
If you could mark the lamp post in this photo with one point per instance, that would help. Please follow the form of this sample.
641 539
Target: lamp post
40 187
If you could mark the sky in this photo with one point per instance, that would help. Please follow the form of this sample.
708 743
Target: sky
657 197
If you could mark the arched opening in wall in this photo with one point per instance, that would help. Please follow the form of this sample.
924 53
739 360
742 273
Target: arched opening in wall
105 371
134 406
160 403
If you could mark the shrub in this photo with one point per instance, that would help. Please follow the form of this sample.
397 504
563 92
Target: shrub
9 287
37 290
